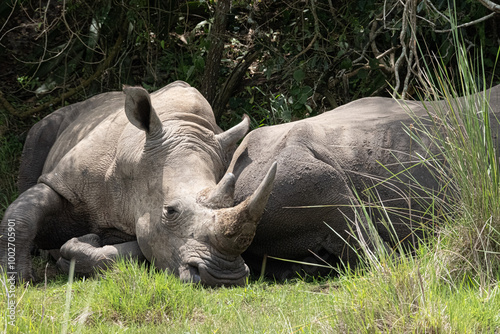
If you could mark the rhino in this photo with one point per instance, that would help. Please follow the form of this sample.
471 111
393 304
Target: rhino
135 175
309 216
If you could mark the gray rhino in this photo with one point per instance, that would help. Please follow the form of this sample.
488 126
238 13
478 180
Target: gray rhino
134 175
309 215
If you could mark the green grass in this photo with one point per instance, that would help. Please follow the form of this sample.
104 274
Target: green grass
413 295
136 298
468 163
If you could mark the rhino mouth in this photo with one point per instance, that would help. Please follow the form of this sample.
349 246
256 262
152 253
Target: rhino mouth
232 273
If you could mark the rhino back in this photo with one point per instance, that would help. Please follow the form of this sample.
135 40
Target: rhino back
46 139
86 120
79 160
370 140
361 136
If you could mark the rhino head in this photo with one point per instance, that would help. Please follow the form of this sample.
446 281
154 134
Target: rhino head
182 205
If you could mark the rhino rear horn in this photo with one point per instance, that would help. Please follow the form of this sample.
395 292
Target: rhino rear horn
230 137
222 196
236 226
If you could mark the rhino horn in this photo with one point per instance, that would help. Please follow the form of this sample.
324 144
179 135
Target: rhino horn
230 137
258 200
222 196
236 226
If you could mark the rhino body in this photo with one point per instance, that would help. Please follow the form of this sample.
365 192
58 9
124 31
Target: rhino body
319 160
134 175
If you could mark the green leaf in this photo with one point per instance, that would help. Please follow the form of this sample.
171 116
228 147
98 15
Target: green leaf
199 63
421 6
189 72
373 64
362 73
346 64
299 75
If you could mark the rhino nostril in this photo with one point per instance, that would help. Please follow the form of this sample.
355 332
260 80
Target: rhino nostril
190 273
194 273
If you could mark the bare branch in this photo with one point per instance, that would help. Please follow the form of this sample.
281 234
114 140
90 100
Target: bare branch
468 24
315 37
63 15
387 52
402 38
7 105
102 67
490 5
437 11
224 94
379 56
412 46
8 18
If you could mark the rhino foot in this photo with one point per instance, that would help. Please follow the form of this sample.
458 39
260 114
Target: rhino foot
19 226
90 256
21 272
85 251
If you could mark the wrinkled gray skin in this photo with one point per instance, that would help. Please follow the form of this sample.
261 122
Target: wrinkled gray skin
319 159
137 176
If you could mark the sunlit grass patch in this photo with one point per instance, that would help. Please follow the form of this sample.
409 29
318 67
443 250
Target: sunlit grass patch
136 298
415 294
131 293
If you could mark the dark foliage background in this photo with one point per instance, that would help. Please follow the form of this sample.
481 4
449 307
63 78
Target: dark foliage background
276 60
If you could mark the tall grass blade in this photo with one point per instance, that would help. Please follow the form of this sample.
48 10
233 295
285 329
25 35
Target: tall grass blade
67 306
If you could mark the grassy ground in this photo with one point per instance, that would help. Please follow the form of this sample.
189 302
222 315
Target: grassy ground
137 299
413 295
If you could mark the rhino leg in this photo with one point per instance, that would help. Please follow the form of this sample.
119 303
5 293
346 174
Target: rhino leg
20 225
40 140
90 255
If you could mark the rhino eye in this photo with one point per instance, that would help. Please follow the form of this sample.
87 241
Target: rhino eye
170 213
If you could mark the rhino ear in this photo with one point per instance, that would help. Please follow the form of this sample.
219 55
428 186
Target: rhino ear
230 137
139 109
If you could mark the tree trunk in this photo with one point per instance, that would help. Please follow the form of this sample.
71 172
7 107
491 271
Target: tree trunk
212 63
233 81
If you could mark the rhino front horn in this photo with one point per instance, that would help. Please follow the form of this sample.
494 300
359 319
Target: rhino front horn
258 200
235 227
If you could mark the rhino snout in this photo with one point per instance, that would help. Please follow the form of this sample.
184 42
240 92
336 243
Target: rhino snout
218 278
215 273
